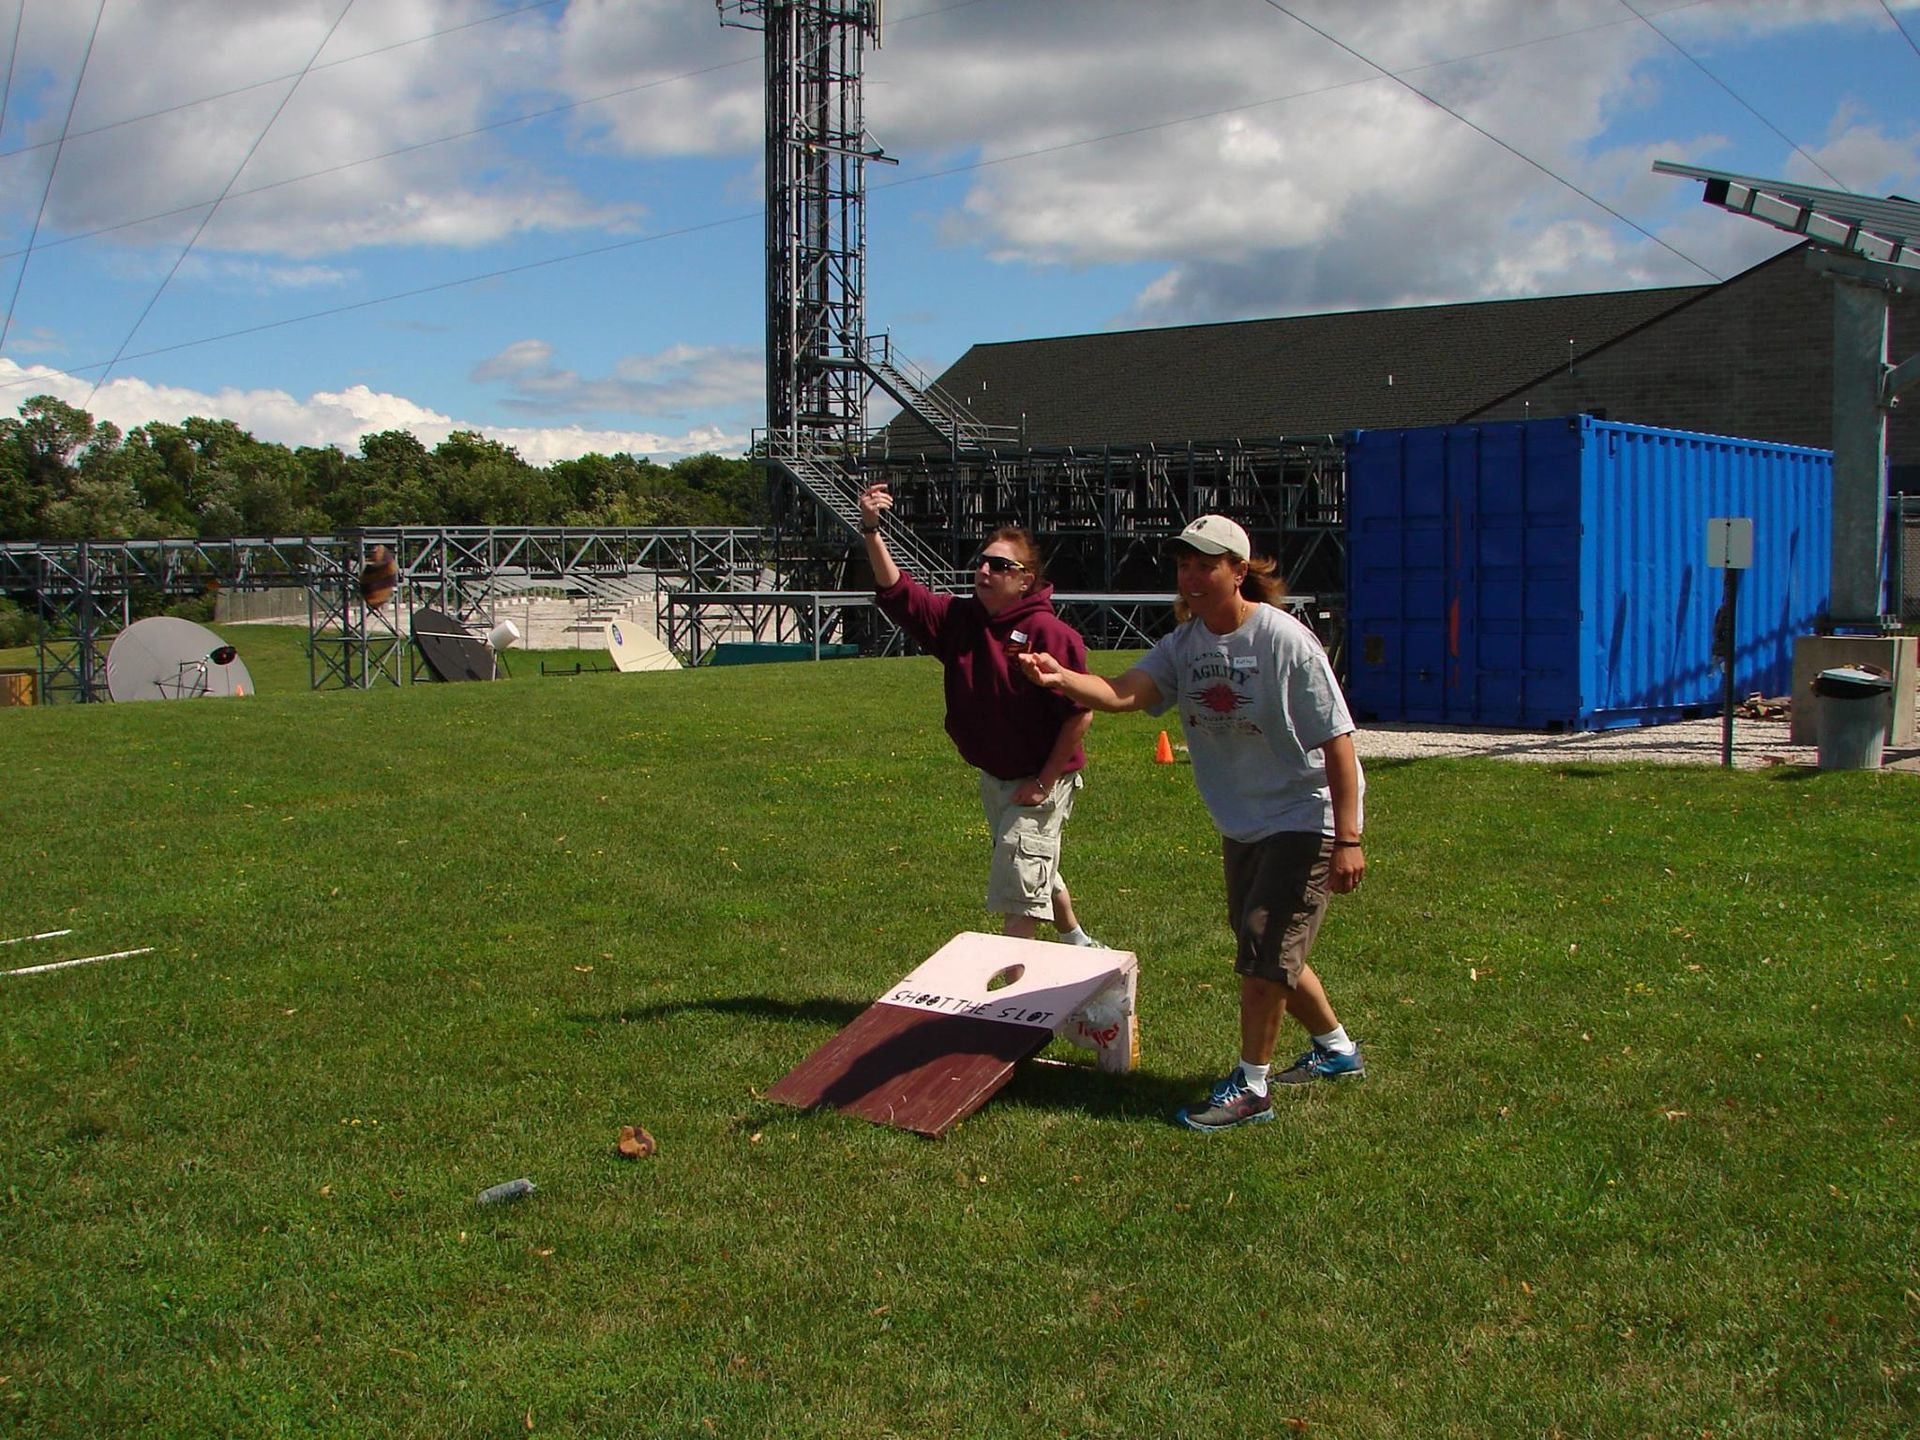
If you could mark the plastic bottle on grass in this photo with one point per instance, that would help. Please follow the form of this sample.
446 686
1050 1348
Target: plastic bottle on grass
506 1192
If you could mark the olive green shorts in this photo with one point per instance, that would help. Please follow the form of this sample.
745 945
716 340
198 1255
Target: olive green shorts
1276 899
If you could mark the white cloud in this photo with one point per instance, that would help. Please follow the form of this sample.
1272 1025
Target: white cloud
953 81
230 274
1310 180
686 85
342 417
1231 160
673 382
150 58
523 357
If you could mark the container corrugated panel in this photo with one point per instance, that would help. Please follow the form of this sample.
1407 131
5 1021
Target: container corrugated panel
1552 574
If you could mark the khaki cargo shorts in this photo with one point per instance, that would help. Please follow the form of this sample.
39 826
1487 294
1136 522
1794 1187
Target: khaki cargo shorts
1026 845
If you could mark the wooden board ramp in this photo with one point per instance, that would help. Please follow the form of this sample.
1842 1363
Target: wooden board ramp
936 1046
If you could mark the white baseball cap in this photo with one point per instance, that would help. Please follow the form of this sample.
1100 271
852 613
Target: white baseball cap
1215 535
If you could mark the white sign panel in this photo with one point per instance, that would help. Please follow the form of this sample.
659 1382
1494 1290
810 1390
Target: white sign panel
1730 543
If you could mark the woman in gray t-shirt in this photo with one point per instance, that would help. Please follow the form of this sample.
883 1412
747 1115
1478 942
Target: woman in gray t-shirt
1273 757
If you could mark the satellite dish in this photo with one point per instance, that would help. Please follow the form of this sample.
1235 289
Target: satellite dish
166 658
380 578
635 648
452 651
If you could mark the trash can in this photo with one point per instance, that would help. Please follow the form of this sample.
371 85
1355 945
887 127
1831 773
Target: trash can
1855 713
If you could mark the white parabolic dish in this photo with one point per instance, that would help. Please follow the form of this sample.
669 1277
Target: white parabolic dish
165 658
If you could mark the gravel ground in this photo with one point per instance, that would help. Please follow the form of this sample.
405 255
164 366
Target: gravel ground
1757 744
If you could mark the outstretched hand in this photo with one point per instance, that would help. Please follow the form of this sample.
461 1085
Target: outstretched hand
1042 669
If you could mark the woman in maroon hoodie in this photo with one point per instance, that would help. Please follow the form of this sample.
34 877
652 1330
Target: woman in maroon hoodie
1024 740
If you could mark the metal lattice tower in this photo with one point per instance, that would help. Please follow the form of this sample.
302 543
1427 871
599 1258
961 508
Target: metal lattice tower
822 367
816 156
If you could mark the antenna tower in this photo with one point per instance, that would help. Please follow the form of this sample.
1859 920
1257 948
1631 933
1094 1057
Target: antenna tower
816 157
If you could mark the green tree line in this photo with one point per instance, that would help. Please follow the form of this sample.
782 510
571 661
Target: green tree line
65 475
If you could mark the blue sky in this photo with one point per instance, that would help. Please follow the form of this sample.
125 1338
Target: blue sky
541 221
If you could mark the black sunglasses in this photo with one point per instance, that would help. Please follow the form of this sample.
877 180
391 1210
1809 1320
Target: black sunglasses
998 564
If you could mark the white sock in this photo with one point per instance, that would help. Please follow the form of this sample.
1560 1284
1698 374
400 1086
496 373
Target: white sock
1075 936
1254 1076
1336 1040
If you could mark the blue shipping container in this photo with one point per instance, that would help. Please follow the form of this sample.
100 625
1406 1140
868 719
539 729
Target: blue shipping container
1552 574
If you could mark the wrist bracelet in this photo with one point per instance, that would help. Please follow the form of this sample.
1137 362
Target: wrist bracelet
869 529
1346 844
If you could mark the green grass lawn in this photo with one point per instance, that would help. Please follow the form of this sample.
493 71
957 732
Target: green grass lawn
1639 1154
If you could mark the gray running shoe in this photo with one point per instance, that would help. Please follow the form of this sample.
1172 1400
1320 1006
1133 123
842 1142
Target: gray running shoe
1230 1104
1319 1064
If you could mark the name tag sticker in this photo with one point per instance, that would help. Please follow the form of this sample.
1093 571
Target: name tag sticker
1243 662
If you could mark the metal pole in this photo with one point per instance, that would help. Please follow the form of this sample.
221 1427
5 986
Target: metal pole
1859 453
1730 593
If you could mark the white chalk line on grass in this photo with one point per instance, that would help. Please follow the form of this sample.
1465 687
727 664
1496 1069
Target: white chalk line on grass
43 935
84 960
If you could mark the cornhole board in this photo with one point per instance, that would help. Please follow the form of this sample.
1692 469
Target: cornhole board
937 1045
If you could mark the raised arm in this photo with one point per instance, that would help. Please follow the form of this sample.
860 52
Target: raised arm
874 502
1135 690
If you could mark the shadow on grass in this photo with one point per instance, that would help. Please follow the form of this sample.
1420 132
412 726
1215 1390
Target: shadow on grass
1059 1086
759 1007
1064 1085
1040 1084
1895 761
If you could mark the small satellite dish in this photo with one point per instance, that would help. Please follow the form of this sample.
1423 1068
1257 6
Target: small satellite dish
166 658
635 648
452 651
380 578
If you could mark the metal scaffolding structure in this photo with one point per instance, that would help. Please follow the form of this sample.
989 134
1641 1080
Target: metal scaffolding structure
1099 512
816 155
1103 513
820 365
85 591
785 617
87 602
822 618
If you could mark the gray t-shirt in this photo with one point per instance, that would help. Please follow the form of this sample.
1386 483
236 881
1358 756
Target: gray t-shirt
1256 707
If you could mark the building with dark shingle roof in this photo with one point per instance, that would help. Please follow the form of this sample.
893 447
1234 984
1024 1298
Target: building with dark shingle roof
1751 356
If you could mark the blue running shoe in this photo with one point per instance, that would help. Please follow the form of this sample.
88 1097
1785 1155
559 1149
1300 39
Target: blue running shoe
1230 1104
1319 1064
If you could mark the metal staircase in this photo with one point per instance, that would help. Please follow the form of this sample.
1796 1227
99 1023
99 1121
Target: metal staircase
835 486
821 367
917 394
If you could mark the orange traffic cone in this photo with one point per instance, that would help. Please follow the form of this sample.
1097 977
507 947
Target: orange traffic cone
1163 751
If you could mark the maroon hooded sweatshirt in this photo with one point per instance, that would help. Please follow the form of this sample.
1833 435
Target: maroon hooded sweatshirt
1001 722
